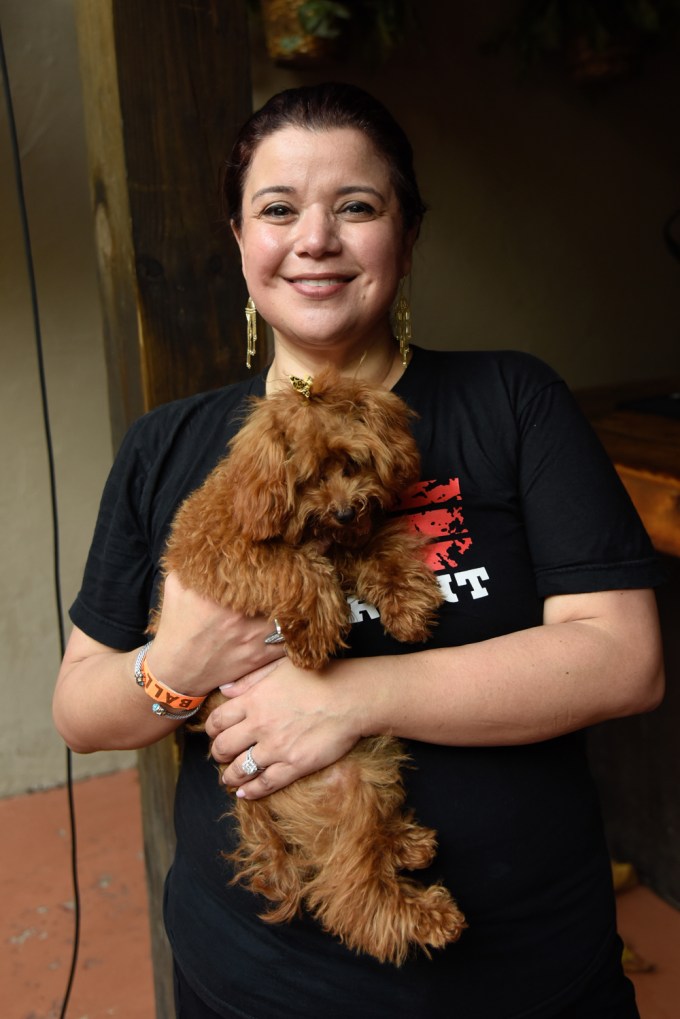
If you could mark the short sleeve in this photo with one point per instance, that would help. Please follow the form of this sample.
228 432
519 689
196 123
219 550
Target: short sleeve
113 603
583 530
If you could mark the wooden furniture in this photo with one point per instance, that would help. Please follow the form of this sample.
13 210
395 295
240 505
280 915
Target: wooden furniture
645 449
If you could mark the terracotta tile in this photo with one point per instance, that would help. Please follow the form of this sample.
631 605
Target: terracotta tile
113 977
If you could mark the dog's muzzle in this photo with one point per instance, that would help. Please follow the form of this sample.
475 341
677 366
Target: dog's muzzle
346 515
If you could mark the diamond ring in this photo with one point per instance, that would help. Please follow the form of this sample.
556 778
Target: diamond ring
250 765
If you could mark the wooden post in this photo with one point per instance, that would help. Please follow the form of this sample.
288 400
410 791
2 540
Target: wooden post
166 84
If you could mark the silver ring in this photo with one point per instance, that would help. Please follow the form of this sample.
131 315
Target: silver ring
277 636
250 765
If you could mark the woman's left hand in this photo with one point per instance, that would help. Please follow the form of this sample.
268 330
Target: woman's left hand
296 722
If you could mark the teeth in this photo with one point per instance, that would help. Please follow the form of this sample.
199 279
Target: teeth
320 283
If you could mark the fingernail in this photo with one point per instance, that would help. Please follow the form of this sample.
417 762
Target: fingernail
240 792
226 686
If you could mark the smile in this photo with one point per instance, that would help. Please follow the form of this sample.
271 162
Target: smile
322 283
320 280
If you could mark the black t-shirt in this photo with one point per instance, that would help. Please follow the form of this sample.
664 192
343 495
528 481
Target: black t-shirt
521 503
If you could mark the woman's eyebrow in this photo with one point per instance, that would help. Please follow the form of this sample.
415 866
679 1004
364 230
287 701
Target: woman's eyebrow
351 189
273 189
347 189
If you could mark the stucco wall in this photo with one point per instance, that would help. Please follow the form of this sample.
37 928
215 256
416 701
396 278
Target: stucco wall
42 59
544 233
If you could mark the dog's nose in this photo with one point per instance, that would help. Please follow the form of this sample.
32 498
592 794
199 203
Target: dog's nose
345 515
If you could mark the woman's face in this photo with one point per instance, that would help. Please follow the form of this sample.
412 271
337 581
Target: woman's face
322 239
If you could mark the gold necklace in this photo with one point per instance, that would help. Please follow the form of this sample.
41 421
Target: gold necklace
276 380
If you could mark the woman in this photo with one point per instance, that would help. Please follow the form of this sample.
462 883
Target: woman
549 624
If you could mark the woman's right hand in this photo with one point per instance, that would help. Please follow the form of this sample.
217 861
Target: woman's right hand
199 645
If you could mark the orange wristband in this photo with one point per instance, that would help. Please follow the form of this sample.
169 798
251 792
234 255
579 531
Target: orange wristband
162 694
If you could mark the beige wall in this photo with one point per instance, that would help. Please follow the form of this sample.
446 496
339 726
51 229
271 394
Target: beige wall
544 234
42 59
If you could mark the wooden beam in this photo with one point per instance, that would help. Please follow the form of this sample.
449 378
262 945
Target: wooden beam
166 84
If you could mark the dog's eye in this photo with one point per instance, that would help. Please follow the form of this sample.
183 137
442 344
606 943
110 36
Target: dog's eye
350 469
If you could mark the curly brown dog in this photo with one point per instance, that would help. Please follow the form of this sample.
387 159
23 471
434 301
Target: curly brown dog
289 524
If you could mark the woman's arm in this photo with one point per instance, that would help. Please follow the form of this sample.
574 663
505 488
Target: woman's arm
97 703
596 656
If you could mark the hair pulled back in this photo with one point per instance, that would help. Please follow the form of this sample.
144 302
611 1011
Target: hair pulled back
322 108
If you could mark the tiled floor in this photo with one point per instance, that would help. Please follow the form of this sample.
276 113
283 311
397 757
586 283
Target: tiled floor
113 977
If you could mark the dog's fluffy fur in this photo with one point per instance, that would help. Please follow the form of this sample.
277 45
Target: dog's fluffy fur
291 522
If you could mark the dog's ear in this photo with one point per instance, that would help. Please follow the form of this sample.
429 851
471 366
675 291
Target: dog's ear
260 495
387 419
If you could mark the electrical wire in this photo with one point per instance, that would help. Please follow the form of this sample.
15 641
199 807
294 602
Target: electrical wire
23 212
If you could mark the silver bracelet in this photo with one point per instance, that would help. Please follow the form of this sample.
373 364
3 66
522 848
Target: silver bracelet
158 709
143 652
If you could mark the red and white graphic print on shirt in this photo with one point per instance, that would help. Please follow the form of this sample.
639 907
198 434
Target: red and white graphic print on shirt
435 510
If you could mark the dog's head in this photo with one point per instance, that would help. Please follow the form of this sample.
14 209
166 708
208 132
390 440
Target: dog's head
322 466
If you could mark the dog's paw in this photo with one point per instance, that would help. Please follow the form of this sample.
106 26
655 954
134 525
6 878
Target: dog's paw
416 849
399 919
311 647
407 625
435 918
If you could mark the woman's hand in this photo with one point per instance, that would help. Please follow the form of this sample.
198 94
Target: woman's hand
297 722
200 645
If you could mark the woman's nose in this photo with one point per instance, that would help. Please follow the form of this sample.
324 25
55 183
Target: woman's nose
317 234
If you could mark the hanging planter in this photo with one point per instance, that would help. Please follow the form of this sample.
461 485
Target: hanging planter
302 33
306 33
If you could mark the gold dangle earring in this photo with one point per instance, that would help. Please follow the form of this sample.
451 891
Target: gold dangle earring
251 326
402 324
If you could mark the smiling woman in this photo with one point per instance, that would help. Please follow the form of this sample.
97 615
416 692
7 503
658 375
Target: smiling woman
323 247
547 623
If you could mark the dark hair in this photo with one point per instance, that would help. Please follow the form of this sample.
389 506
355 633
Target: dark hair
326 107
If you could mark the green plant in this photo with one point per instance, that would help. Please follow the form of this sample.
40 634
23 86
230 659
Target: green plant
365 26
324 18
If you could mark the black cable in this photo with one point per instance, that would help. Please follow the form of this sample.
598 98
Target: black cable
14 142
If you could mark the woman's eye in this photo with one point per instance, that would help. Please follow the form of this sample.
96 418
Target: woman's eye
276 211
358 209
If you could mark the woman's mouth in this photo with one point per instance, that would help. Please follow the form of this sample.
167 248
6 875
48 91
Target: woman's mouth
319 286
334 281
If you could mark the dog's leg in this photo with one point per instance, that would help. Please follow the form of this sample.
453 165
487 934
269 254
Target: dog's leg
344 832
296 585
310 607
265 862
358 893
392 575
